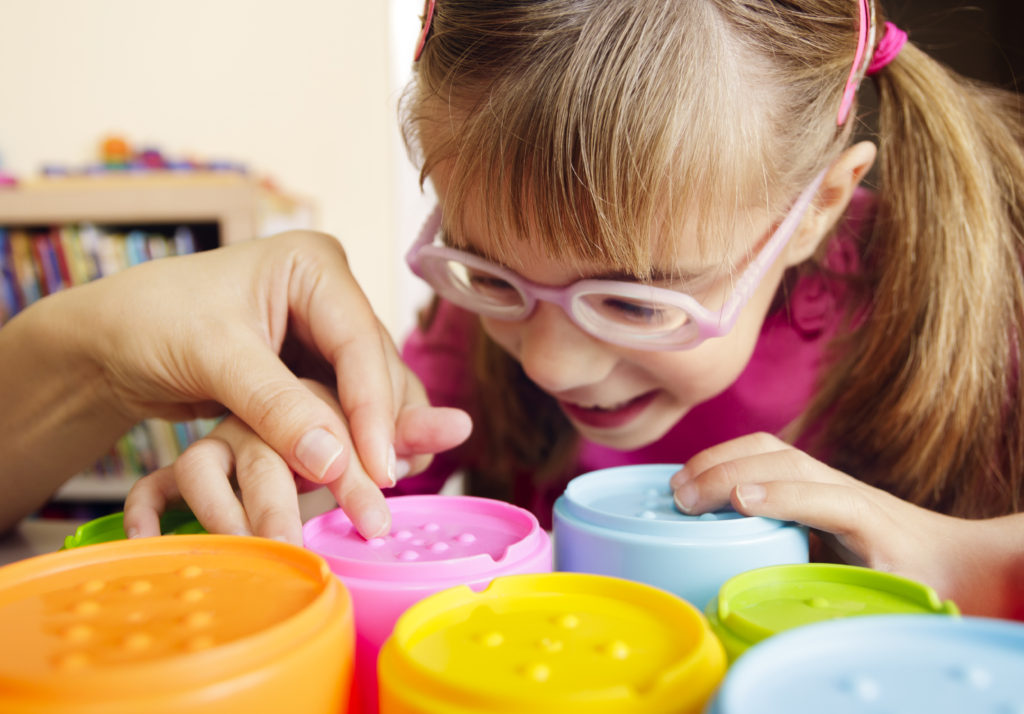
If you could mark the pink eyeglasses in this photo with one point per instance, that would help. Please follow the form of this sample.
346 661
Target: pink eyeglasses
630 314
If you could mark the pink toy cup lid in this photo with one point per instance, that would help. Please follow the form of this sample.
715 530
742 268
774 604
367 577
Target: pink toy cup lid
432 538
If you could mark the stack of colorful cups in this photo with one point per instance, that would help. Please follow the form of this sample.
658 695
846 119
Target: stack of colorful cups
435 542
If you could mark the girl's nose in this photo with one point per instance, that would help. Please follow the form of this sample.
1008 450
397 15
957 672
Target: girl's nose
559 356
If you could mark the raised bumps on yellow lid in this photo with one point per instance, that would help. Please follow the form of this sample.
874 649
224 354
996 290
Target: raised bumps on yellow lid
558 642
192 623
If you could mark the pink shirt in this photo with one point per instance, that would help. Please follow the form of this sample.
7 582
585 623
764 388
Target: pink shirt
773 390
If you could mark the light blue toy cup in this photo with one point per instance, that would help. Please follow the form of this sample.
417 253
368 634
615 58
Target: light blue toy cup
881 663
623 522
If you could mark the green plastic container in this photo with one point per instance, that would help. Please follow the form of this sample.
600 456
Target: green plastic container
111 527
757 604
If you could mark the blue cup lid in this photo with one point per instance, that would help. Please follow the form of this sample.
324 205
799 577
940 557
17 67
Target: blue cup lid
637 499
882 663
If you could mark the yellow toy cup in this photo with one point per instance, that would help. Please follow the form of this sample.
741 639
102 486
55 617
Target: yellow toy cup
558 642
194 623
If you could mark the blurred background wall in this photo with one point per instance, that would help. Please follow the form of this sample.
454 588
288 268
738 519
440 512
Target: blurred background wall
305 91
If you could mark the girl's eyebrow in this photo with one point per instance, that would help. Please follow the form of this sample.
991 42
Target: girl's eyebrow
656 275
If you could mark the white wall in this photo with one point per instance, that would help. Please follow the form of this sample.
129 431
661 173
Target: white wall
303 90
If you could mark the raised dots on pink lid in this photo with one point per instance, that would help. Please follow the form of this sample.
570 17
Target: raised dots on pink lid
444 536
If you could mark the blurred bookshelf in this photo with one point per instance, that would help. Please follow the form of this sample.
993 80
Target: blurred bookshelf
57 232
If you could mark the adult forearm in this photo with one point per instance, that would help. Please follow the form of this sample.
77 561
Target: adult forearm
54 417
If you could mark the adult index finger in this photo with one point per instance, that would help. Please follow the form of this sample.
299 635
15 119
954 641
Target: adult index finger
332 311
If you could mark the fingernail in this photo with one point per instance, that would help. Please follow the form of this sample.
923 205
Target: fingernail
750 494
317 450
680 477
132 533
402 468
373 522
391 467
686 497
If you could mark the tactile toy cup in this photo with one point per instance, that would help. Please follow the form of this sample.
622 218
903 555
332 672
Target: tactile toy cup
622 522
435 542
201 624
111 527
559 642
882 663
758 604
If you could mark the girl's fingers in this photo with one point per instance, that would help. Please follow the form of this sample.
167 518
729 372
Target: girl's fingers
147 500
423 431
203 474
706 483
267 488
833 508
749 445
854 517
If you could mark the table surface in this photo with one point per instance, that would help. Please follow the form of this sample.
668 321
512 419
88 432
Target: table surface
35 536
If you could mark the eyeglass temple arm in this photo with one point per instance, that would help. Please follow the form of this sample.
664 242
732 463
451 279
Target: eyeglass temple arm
751 277
430 228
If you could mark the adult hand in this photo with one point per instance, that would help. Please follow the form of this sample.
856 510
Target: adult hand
193 335
972 562
267 505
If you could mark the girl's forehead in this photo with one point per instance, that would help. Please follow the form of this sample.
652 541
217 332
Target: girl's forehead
680 226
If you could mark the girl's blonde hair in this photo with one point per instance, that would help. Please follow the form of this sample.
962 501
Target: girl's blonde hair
600 128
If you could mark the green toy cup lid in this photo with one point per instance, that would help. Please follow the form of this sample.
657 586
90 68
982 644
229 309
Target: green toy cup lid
759 603
111 527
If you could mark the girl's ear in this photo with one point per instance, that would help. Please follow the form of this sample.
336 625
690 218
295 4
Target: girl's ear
834 195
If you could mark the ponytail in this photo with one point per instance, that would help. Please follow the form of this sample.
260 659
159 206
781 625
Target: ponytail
926 399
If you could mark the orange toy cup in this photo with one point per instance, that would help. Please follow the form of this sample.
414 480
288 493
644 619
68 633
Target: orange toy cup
190 624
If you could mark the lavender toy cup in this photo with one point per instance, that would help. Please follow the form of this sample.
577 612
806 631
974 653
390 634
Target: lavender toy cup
622 522
435 542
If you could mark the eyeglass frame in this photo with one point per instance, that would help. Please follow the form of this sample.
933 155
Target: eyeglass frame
708 323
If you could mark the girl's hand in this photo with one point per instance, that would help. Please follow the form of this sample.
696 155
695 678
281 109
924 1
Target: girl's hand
973 562
268 504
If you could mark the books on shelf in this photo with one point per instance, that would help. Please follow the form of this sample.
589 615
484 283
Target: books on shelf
39 261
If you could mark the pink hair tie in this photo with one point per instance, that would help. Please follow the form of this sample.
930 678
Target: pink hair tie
428 17
889 46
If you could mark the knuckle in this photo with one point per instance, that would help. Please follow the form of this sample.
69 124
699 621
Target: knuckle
260 466
763 441
274 408
194 458
307 249
722 476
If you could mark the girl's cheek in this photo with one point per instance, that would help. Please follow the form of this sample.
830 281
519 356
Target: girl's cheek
505 334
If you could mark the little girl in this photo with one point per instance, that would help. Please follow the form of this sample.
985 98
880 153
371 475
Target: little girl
652 246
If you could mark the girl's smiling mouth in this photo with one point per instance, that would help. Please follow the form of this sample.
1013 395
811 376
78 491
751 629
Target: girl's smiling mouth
611 417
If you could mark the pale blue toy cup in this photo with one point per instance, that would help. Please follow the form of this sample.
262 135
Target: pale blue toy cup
881 663
623 522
